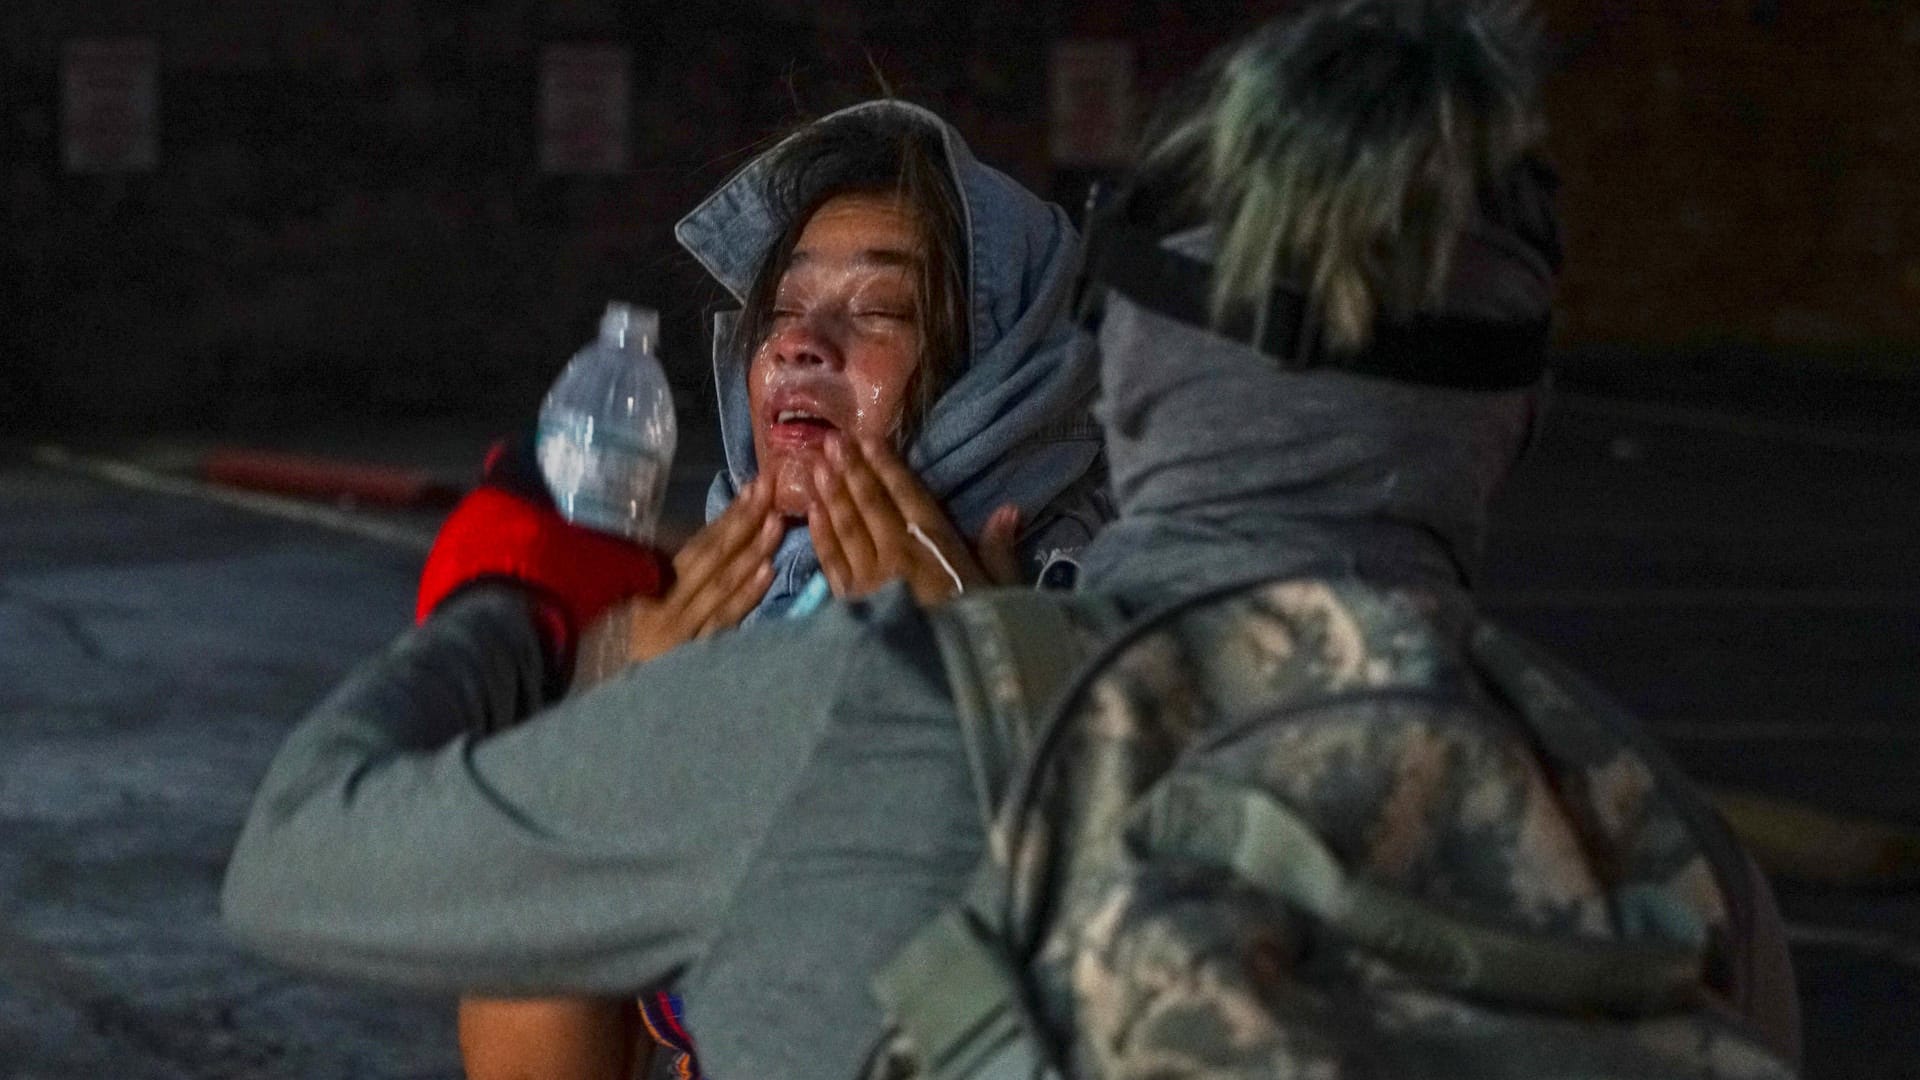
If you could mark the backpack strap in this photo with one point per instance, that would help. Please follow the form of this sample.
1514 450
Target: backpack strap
1009 655
952 992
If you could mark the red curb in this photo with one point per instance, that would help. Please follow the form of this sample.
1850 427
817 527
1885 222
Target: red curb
327 479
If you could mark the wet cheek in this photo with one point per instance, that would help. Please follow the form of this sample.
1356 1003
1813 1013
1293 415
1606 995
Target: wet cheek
879 403
760 371
759 379
868 411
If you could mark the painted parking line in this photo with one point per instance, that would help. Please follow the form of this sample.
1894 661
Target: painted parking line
127 474
1724 423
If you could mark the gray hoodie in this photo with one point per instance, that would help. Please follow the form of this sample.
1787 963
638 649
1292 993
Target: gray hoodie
1014 425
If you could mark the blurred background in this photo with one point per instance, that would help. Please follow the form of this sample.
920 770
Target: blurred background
370 232
217 210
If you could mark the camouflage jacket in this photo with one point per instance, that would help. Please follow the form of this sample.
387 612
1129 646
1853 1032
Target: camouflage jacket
1390 747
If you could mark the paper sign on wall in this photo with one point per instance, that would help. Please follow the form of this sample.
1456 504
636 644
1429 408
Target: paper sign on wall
109 105
1091 120
584 108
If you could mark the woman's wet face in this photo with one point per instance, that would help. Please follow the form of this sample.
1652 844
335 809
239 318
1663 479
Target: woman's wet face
843 340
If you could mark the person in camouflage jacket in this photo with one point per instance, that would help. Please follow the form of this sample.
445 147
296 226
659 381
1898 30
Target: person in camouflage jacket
1421 808
1314 827
1318 818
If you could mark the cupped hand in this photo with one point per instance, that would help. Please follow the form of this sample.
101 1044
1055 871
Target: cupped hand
872 522
718 576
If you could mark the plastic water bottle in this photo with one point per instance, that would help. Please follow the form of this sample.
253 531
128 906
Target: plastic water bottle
606 435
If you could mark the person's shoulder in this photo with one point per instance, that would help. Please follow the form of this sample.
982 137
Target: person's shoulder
1070 521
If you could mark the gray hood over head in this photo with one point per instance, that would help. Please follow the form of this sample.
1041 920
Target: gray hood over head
1228 469
1014 426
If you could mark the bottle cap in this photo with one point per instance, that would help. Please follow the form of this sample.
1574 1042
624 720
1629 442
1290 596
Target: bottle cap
623 324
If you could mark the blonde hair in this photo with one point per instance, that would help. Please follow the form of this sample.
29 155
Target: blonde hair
1345 149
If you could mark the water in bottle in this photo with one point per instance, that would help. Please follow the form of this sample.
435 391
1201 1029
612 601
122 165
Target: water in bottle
606 435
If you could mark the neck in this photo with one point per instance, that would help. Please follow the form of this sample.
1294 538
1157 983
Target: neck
1160 559
1227 469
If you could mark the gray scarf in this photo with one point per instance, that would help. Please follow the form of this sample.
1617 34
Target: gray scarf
1227 469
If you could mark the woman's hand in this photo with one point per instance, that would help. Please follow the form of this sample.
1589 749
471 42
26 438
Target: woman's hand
873 522
718 576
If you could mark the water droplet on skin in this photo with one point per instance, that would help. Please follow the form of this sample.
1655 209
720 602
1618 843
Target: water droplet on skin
792 493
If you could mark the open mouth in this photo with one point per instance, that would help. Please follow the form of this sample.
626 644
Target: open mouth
797 428
803 418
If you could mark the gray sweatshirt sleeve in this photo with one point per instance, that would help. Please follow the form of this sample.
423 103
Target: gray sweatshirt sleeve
388 842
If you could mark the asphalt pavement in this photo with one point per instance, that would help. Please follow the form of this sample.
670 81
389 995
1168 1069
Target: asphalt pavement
153 649
1746 584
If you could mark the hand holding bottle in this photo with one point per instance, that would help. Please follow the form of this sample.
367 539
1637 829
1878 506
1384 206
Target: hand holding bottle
508 529
718 577
571 515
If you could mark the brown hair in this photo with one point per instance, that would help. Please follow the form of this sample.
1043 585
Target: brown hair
873 152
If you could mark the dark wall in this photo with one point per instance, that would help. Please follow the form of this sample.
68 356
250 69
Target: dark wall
1742 173
347 212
